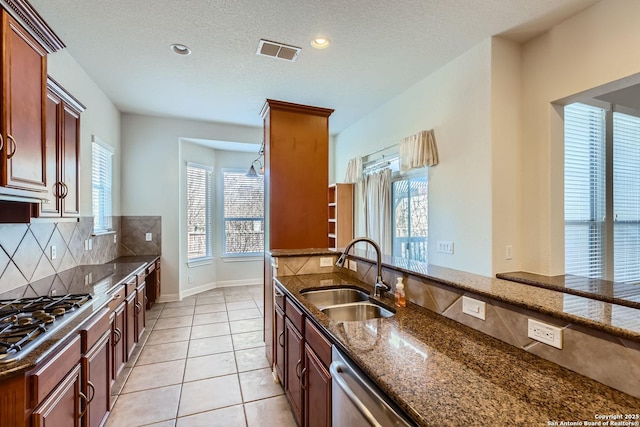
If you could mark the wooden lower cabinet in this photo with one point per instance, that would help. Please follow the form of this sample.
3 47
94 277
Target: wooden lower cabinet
302 355
118 340
294 349
317 386
130 325
140 311
153 282
96 375
63 406
278 345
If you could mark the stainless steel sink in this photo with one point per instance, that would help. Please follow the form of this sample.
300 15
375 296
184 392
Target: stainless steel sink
329 297
356 311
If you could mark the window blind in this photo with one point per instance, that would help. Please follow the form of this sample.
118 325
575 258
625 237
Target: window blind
243 213
199 229
101 183
626 197
584 190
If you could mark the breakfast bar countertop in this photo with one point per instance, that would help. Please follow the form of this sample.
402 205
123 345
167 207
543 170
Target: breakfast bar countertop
442 373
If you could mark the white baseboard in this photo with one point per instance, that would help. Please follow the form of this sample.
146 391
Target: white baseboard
243 282
207 287
197 290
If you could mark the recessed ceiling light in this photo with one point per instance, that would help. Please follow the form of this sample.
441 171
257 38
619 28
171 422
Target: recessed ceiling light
180 49
320 42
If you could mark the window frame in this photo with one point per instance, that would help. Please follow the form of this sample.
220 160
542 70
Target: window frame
237 256
103 216
209 197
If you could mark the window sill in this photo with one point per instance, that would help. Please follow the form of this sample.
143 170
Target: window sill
242 258
200 262
103 232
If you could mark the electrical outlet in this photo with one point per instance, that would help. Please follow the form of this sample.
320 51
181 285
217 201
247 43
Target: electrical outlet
444 246
148 237
551 335
353 266
474 307
115 238
53 252
326 262
508 252
190 279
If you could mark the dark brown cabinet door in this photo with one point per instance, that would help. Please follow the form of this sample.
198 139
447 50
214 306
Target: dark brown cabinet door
62 153
317 387
278 361
24 67
64 405
130 325
69 172
118 338
294 363
96 376
141 318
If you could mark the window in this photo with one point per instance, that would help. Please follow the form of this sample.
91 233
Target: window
199 236
101 180
602 229
410 218
243 213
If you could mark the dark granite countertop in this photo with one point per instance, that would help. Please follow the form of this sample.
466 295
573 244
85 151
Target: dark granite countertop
627 294
617 319
442 373
97 280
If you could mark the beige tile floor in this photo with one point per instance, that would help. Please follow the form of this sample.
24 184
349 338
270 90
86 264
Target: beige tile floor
202 364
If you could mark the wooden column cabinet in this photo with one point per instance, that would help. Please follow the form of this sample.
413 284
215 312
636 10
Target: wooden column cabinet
340 208
296 161
24 71
62 153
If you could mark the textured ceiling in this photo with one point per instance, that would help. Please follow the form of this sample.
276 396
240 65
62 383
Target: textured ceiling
379 49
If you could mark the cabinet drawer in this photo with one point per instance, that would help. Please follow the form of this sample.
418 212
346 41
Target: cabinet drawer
318 343
132 283
151 267
294 314
48 376
118 298
94 329
278 296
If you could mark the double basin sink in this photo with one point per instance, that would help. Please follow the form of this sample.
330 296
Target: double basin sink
345 304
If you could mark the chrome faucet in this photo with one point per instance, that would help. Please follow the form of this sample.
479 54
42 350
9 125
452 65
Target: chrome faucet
379 286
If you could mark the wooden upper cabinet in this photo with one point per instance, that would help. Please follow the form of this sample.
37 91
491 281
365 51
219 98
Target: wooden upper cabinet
62 153
296 175
24 70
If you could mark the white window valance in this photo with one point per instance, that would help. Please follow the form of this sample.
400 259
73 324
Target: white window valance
354 170
419 150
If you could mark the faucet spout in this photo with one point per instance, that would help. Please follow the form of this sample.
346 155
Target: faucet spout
379 286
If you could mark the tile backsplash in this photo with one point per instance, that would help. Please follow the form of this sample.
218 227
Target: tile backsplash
25 249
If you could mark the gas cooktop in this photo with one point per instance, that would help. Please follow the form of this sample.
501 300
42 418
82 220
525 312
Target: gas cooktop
25 322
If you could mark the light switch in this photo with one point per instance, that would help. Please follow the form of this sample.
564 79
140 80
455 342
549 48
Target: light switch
148 237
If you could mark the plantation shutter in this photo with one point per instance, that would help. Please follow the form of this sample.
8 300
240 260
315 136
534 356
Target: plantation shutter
199 229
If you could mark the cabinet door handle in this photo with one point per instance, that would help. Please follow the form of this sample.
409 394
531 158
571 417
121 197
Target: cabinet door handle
86 404
1 142
118 336
66 190
117 296
302 381
138 307
93 391
281 339
15 147
277 292
297 366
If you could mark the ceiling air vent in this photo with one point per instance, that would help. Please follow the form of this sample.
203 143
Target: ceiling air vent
278 50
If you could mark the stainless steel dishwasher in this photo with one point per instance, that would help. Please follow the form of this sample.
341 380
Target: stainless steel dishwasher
356 401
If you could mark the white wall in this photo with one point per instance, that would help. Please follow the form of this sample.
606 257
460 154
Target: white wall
101 118
455 102
591 49
151 171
